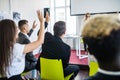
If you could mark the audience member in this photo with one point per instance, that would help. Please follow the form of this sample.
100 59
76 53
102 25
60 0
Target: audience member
12 54
85 18
47 19
55 48
102 35
23 38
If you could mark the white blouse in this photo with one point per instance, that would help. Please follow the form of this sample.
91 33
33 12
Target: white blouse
18 61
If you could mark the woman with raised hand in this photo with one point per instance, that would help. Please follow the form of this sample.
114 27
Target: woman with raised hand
12 54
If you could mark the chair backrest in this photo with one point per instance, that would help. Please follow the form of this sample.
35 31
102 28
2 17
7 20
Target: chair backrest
51 69
93 68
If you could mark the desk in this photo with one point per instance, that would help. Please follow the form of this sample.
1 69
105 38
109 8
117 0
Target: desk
77 43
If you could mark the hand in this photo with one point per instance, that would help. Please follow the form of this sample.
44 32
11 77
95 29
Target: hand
34 25
47 17
40 17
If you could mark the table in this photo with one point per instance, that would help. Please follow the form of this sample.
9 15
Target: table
77 43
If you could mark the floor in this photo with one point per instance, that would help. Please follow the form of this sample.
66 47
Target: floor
83 73
83 64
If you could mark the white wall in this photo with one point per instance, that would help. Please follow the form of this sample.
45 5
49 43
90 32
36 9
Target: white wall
4 6
4 9
27 9
94 6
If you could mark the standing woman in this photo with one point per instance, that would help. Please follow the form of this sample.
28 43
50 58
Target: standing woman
12 54
85 18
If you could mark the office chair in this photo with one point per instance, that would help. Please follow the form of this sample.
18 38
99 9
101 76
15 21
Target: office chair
93 68
51 69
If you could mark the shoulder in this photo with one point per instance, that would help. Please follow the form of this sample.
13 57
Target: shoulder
66 45
21 36
18 50
48 36
17 45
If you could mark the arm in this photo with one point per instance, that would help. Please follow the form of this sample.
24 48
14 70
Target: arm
40 40
47 19
30 32
33 27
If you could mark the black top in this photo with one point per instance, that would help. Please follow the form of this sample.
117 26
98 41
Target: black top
54 48
30 60
101 76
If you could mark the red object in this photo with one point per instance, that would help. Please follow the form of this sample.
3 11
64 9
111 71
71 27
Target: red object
75 59
37 55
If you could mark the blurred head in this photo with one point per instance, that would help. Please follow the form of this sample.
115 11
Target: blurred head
59 28
87 15
8 33
24 26
102 35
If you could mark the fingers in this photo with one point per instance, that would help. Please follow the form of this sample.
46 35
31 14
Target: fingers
39 13
34 24
47 18
47 14
40 17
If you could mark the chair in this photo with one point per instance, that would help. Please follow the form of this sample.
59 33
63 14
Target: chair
93 68
51 69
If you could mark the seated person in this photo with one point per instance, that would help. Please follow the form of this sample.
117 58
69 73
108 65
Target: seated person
12 54
23 38
102 35
55 48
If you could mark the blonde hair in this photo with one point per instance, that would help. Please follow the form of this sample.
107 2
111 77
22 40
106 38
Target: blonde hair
100 25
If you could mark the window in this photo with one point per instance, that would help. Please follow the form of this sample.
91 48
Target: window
60 10
60 14
59 3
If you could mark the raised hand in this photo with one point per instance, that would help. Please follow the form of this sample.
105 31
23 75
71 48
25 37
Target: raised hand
34 25
47 17
40 16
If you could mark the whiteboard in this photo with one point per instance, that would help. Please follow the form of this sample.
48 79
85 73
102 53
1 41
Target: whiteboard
81 7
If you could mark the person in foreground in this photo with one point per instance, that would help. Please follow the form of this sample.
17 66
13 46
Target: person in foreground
102 35
12 54
55 48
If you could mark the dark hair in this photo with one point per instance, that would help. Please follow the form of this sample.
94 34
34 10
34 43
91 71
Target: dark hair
102 35
105 49
21 23
7 39
59 28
